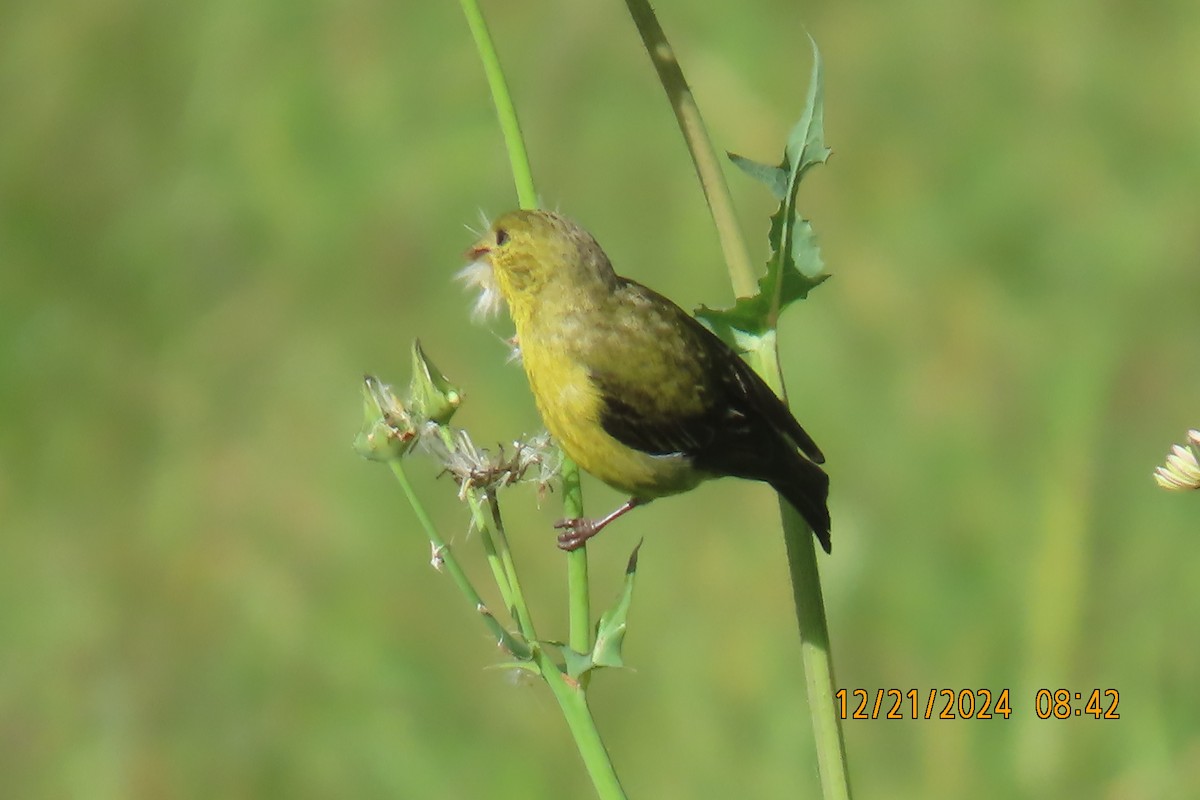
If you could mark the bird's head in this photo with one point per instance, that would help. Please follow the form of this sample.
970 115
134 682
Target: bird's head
526 254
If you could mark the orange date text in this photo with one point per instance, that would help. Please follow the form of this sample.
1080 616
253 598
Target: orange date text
917 704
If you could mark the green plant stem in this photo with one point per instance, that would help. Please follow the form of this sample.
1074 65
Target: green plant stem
524 618
572 699
815 652
450 565
802 561
496 547
580 635
480 521
704 156
577 569
498 86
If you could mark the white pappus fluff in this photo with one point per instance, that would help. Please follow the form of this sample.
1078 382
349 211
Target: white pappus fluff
479 275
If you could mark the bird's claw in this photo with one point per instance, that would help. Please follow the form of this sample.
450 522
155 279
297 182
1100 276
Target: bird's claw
575 532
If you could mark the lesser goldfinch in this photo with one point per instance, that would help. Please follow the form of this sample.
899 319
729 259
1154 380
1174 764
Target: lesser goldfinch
636 391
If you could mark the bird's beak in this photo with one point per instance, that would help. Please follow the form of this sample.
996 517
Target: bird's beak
477 252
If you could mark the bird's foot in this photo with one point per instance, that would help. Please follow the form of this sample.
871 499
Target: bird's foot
576 532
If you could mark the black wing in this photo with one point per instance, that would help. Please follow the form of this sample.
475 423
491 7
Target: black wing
720 403
716 411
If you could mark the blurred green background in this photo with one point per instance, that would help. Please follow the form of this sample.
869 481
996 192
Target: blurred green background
215 216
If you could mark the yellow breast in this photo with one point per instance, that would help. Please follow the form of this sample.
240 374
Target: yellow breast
571 406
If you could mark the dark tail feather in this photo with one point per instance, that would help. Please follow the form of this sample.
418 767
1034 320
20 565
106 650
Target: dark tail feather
765 455
806 487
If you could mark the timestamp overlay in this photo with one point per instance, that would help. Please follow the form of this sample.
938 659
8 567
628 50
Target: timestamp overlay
975 703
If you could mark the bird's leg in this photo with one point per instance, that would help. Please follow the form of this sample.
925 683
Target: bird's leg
577 531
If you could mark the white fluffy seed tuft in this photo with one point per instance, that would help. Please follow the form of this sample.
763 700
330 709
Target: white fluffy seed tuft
479 275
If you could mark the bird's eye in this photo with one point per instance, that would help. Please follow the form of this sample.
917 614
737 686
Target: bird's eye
501 237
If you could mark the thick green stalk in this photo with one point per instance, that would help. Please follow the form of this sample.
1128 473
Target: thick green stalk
816 654
572 699
802 561
704 156
815 650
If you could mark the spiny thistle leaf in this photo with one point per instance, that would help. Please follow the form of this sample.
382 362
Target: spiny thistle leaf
577 664
610 630
795 265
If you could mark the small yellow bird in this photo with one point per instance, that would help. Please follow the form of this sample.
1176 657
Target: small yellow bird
636 391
